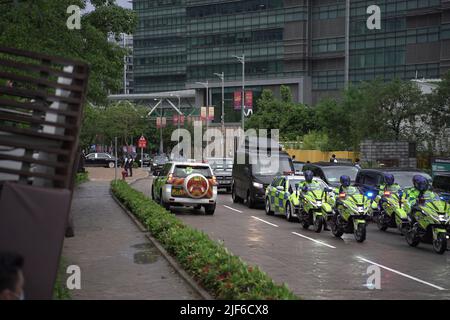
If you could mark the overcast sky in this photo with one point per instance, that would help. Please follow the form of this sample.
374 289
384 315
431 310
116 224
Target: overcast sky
123 3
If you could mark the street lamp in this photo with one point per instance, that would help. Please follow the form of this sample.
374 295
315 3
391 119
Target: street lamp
206 85
179 104
222 77
242 60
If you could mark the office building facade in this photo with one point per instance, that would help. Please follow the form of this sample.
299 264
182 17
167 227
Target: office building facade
299 43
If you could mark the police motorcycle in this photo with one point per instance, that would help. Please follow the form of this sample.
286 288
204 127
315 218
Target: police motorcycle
352 210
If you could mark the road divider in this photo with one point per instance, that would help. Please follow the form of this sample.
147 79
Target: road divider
314 240
401 273
224 275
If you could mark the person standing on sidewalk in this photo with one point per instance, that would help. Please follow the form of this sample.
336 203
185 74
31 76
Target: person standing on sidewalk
130 166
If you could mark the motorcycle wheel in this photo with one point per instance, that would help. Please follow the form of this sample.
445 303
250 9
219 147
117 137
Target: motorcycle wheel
411 238
318 224
360 233
335 230
380 222
440 244
305 225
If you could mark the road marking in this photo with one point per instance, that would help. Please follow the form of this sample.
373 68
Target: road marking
274 225
316 241
402 274
232 209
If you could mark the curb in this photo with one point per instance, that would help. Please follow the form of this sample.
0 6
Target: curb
186 277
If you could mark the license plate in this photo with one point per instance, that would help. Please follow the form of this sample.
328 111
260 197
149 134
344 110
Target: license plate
177 192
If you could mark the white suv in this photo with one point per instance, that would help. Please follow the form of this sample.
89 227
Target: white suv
187 184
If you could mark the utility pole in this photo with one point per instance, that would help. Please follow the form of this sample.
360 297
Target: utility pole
222 77
206 85
161 145
241 59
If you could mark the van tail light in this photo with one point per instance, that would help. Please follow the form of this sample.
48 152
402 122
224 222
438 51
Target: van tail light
170 179
214 180
342 195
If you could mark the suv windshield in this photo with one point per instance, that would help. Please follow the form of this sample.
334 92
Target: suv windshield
298 166
404 178
333 174
182 171
221 164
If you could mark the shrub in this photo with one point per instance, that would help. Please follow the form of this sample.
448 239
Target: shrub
224 275
81 178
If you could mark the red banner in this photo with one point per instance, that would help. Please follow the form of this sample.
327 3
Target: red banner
211 113
161 122
249 99
203 114
181 119
175 119
237 100
142 143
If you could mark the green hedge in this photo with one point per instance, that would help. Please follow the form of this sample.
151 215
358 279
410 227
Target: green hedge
224 275
60 291
81 178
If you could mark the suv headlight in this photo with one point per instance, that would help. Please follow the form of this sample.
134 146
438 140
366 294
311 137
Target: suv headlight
258 185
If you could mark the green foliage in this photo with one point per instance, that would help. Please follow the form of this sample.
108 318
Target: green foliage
40 26
226 276
60 290
373 110
81 178
316 140
292 119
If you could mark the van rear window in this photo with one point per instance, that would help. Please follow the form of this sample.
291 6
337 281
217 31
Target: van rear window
182 171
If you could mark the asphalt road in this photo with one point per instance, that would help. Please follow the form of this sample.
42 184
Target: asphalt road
320 266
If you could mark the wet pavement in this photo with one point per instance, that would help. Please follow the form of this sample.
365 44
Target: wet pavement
320 266
116 259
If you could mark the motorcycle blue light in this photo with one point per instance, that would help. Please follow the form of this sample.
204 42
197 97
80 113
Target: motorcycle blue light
370 194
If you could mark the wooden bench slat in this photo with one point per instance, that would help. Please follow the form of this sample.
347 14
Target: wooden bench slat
41 68
36 106
38 94
40 81
33 174
29 145
34 133
29 119
53 164
43 57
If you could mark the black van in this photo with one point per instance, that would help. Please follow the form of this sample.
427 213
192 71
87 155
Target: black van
251 177
332 172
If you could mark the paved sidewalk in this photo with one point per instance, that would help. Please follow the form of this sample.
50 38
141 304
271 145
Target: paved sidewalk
116 260
108 174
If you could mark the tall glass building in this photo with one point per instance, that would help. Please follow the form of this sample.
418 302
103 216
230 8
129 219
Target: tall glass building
299 43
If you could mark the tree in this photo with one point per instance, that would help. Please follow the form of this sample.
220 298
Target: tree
292 119
438 116
40 26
